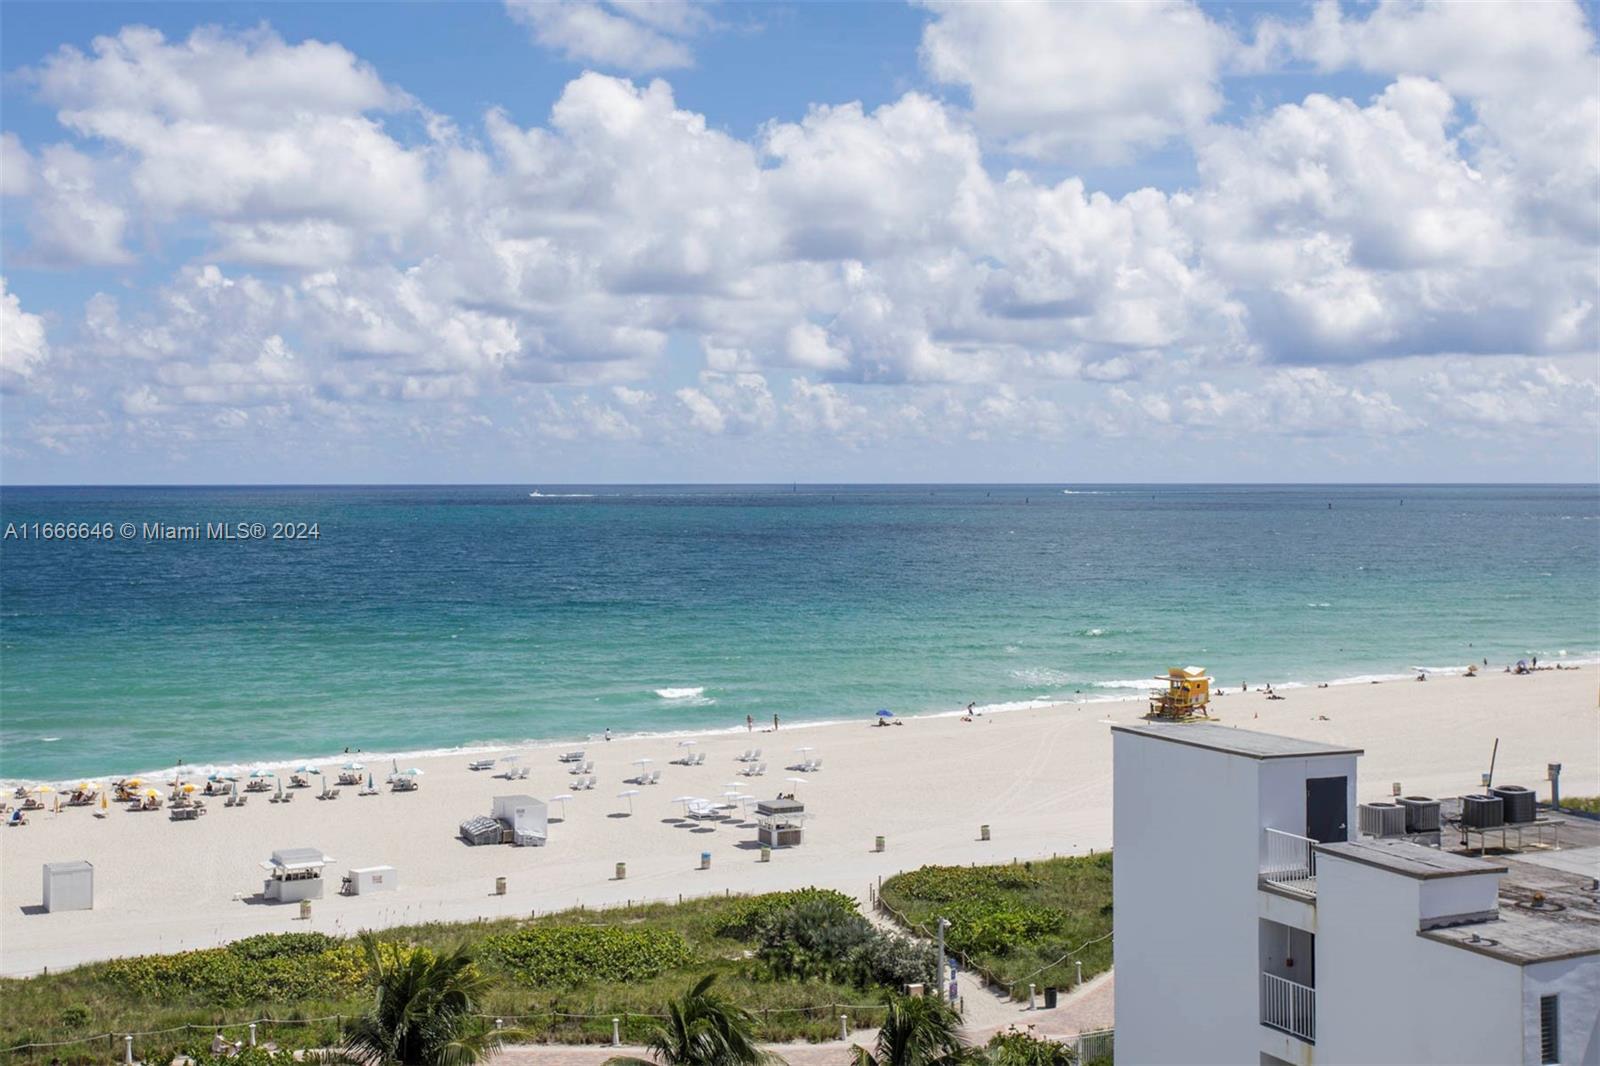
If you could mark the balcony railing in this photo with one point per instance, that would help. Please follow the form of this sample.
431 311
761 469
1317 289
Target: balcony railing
1289 861
1289 1007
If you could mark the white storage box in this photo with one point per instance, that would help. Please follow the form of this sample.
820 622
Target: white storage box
69 886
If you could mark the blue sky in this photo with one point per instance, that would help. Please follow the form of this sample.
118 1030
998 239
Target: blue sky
583 241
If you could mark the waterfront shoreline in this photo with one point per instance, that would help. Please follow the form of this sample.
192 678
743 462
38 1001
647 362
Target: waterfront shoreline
1040 778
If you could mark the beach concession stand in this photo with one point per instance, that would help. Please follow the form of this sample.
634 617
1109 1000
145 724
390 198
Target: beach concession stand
294 874
780 823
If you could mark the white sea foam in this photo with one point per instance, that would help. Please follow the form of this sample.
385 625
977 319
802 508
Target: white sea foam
1138 682
680 693
537 495
1042 676
1319 605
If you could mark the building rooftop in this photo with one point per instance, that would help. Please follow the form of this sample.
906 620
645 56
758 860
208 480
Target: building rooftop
1235 741
1521 935
1410 860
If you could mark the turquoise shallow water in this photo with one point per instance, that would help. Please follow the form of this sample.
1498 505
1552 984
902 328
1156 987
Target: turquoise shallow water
437 617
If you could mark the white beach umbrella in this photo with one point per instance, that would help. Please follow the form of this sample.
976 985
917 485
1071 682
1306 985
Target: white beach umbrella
562 799
802 750
262 772
411 771
643 762
353 765
628 794
687 743
797 781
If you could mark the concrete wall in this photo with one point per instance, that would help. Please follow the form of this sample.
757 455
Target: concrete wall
1185 836
1387 995
1577 982
1283 790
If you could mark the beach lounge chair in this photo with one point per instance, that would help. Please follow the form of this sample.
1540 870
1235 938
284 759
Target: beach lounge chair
242 799
700 759
571 756
582 768
654 777
816 764
589 782
746 757
522 774
481 764
700 808
755 770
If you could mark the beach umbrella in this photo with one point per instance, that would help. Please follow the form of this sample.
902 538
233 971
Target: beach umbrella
217 777
133 782
151 794
370 785
884 712
280 787
411 772
687 743
353 765
806 748
188 786
643 762
262 772
394 766
307 768
797 781
84 786
42 789
562 799
105 804
628 794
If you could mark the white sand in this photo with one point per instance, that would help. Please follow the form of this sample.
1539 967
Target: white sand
1041 777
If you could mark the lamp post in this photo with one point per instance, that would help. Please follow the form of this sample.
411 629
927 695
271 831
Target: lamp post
941 925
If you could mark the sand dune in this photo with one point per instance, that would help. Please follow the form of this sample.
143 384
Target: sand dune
1041 778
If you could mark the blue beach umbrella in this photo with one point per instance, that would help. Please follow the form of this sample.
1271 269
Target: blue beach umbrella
884 712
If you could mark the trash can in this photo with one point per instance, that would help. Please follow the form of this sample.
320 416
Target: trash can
499 886
766 854
877 844
1050 998
983 832
305 908
705 860
622 871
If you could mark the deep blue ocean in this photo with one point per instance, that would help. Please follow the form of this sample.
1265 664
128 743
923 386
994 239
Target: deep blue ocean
436 617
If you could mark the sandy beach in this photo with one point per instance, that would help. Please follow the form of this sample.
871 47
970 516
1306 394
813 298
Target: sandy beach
1040 777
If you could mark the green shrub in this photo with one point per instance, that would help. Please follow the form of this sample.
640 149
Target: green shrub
1014 1047
568 956
273 968
748 917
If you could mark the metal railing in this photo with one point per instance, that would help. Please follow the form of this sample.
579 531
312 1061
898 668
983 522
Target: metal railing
1289 1007
1289 861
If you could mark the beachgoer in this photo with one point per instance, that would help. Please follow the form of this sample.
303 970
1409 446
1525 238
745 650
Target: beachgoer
774 723
1536 662
750 723
608 734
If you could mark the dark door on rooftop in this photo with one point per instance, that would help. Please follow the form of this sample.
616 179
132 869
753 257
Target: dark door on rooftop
1326 814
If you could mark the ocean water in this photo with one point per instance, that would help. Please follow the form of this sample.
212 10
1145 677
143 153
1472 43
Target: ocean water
425 618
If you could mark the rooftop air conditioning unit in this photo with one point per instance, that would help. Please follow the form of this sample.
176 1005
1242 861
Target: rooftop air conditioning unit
1382 819
1422 814
1482 812
1519 802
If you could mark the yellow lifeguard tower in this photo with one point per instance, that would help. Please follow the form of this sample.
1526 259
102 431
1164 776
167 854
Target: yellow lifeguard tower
1187 695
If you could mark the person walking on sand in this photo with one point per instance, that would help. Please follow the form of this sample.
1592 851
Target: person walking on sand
608 734
749 723
774 723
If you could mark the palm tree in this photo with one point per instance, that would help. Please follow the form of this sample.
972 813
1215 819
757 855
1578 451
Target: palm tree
917 1031
423 1009
703 1029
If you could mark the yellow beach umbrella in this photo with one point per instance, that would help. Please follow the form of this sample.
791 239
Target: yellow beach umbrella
188 786
43 788
151 793
133 782
104 802
84 786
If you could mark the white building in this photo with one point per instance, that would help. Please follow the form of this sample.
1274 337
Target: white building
1253 926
